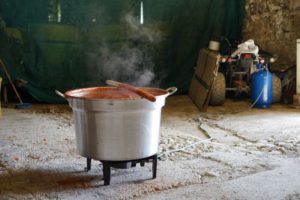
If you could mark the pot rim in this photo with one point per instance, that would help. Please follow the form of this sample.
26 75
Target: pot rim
159 93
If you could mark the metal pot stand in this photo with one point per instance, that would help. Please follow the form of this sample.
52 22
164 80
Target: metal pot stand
123 165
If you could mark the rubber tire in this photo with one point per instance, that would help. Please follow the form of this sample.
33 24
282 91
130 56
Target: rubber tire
276 89
218 91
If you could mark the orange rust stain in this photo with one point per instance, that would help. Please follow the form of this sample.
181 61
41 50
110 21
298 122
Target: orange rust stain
74 183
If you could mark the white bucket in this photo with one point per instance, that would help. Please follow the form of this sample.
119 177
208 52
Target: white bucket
214 45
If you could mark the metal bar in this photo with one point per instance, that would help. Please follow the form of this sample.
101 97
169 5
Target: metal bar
106 173
88 164
202 82
231 89
154 166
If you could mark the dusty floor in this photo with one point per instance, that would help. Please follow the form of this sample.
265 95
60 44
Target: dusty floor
247 155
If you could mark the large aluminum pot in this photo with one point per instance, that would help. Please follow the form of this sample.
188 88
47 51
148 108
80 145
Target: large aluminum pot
116 129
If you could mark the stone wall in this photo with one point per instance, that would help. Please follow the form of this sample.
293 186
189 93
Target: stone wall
274 25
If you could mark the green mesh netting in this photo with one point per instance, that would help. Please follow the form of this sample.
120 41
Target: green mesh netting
67 44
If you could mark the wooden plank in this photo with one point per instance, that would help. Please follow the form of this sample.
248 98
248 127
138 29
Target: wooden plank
216 60
197 92
201 62
203 78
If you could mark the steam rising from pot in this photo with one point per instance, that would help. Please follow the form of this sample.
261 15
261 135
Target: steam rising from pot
131 59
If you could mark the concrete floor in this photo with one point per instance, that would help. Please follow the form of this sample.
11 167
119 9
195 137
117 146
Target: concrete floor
252 154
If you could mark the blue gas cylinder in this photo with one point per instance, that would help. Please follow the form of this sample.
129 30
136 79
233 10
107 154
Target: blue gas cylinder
261 88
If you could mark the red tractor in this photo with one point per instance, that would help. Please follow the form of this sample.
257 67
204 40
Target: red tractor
235 71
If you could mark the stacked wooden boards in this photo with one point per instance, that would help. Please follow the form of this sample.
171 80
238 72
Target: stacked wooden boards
203 78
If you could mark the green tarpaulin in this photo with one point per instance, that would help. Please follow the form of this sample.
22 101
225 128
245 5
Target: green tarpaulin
67 44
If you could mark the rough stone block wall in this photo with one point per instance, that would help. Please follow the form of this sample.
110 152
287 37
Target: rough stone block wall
274 25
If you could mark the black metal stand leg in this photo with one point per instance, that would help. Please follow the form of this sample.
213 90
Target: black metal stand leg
106 173
88 164
154 166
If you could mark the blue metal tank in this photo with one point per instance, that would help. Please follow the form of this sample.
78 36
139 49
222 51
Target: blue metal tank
261 88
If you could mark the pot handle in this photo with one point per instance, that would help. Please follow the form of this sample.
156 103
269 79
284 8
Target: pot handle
60 94
171 90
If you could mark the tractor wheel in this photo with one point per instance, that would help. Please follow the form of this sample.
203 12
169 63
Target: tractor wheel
276 89
218 91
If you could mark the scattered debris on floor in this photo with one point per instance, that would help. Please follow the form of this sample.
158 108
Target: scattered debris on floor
202 155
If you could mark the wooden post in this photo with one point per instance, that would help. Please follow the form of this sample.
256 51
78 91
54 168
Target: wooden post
296 99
